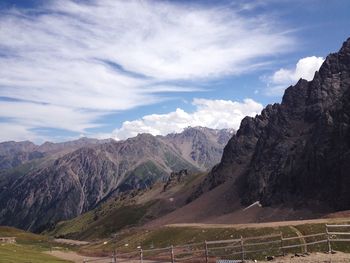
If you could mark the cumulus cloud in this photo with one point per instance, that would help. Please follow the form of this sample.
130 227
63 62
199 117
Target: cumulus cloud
305 69
97 57
217 114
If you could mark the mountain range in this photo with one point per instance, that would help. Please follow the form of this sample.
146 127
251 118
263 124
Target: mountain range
52 182
292 161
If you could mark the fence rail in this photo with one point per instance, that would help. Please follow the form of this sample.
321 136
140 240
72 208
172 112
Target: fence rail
237 250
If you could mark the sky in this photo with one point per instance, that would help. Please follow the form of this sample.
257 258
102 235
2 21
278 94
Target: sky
113 69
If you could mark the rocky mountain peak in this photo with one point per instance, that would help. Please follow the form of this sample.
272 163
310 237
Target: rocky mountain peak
297 152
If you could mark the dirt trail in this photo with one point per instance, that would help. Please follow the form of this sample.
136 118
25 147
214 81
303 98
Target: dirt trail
302 240
267 224
70 241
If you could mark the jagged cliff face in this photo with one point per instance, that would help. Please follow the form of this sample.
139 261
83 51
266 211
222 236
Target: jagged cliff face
297 152
78 181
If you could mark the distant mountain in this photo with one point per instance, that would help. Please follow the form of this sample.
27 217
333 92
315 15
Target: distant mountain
200 146
78 181
13 154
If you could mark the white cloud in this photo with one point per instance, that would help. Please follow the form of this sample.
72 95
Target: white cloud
14 132
97 57
215 114
305 69
48 116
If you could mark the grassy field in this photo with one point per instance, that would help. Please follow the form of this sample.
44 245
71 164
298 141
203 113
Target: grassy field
165 236
17 253
308 229
101 222
129 240
28 247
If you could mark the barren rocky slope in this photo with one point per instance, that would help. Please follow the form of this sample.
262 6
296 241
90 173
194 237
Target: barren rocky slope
78 181
13 154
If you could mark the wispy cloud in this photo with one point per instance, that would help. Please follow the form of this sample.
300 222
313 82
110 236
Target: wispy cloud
217 114
88 59
282 78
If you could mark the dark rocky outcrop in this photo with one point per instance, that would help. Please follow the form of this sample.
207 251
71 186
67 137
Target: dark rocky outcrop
298 152
175 178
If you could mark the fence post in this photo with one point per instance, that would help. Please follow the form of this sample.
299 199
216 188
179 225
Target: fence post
206 252
242 249
141 255
328 240
172 254
282 249
114 256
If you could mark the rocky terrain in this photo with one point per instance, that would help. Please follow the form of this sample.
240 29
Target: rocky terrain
296 153
13 154
200 146
292 160
77 181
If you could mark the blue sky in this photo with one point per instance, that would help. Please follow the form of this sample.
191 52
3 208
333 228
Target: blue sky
117 68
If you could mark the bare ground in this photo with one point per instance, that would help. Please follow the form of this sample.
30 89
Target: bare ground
70 241
72 256
338 257
222 206
266 224
76 258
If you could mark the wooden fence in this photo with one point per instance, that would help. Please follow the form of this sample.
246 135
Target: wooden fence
237 250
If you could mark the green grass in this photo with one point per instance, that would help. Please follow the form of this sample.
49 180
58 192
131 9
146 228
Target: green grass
144 174
29 247
128 241
112 216
109 218
22 237
17 253
166 236
308 229
176 163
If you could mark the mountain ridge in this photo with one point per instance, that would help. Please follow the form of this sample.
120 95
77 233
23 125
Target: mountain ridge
76 182
284 155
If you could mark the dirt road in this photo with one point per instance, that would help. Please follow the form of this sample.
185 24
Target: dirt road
267 224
